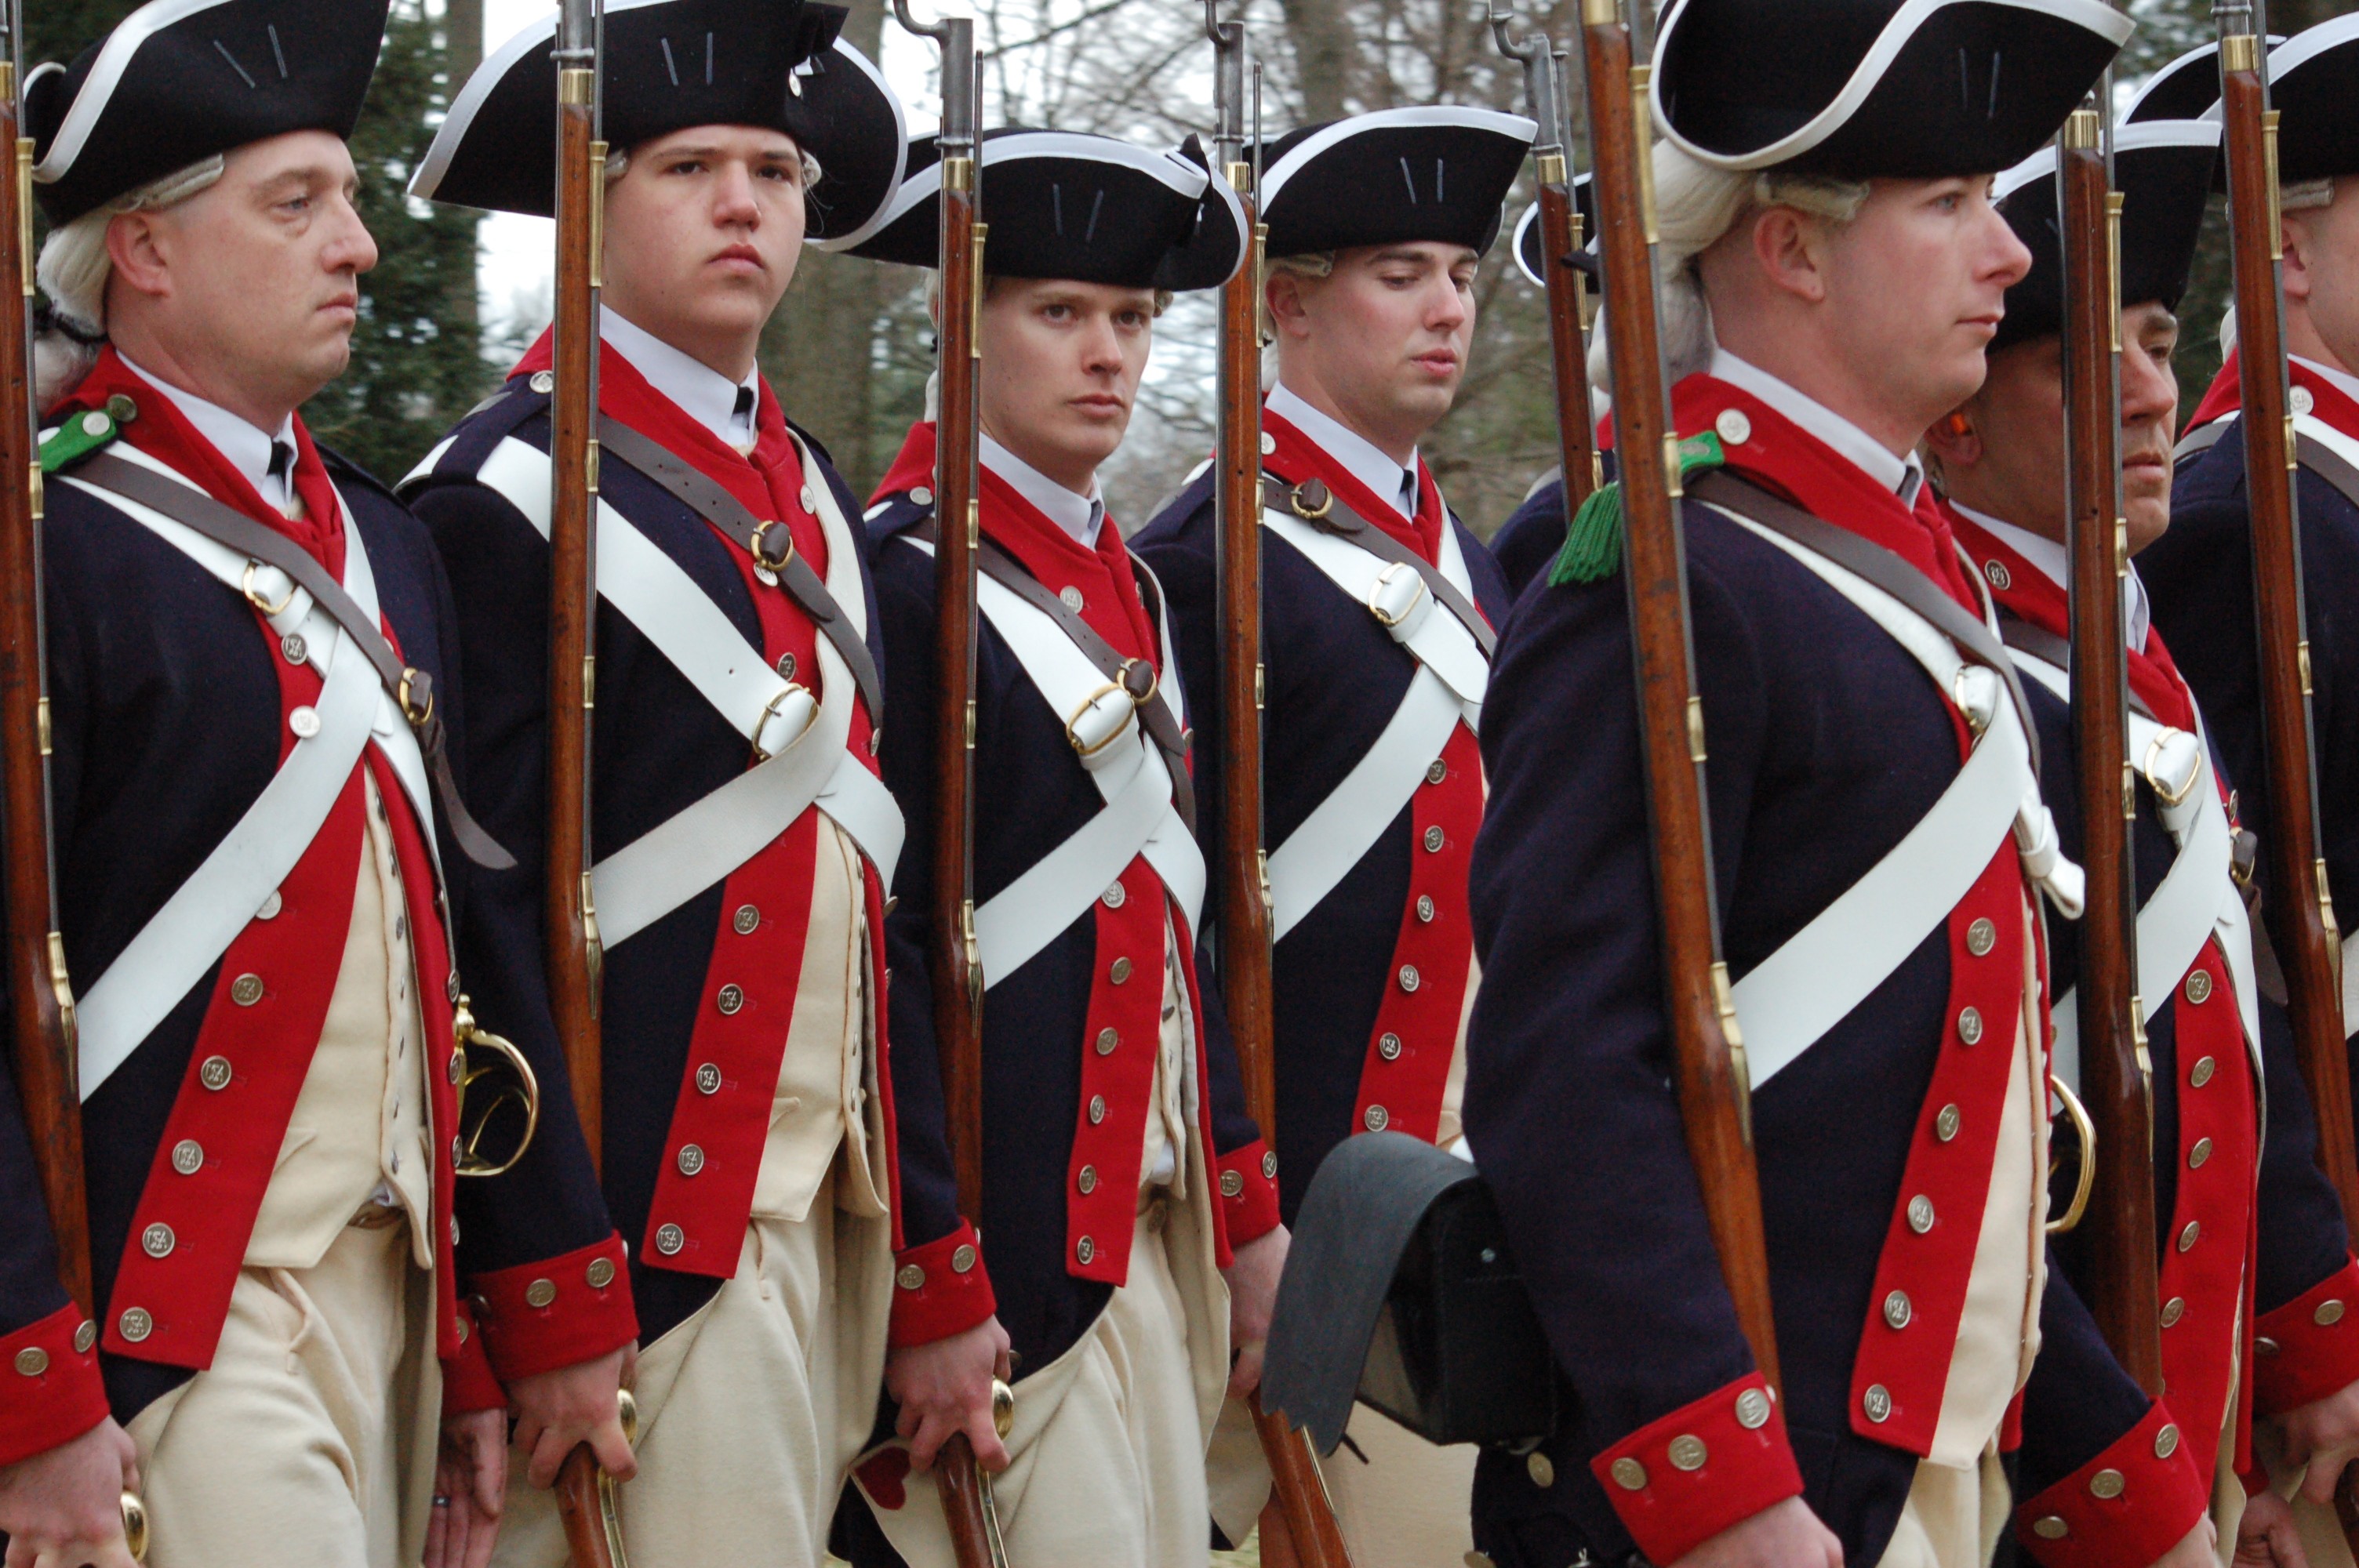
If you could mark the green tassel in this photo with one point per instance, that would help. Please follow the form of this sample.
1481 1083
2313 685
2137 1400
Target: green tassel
76 439
1592 545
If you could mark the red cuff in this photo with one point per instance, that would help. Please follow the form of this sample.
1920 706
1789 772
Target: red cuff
1248 1181
2122 1510
468 1381
49 1388
2309 1347
939 1288
559 1312
1679 1481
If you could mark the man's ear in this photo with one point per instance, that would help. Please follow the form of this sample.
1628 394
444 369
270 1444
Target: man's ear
2294 233
137 249
1790 247
1282 293
1955 440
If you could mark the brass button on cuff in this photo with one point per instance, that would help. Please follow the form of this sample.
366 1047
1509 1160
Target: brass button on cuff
32 1361
85 1335
962 1258
1687 1452
2165 1442
2106 1484
1753 1410
1629 1475
600 1273
1269 1165
2328 1315
910 1278
1233 1184
2051 1529
540 1293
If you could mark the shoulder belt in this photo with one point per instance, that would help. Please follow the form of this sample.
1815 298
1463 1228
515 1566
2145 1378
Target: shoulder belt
1321 507
2308 450
770 545
412 689
1136 678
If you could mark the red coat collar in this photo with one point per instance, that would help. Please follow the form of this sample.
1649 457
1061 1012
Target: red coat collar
2226 396
1295 456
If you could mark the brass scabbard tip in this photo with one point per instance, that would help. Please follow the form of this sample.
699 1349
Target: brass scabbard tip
1002 1407
627 1409
134 1527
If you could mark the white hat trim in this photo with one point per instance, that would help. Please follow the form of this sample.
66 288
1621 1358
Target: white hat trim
2147 134
1274 178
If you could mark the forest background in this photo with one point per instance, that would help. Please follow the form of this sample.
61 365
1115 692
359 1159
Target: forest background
850 349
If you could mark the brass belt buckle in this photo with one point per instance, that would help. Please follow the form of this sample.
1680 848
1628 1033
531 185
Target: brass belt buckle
759 547
771 710
2151 766
269 611
414 677
1129 676
1090 705
1311 501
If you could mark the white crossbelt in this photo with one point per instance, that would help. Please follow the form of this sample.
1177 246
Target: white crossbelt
810 763
1452 676
1034 910
186 937
1788 1002
2196 901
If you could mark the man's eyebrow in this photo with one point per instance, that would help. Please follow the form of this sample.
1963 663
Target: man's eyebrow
776 152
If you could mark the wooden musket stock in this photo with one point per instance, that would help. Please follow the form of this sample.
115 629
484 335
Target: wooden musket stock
1714 1091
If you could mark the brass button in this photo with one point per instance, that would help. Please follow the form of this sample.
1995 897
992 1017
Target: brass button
1233 1184
1733 426
1753 1410
786 667
670 1239
2328 1315
1897 1309
600 1273
2105 1484
1097 1106
1071 597
1433 840
293 649
1687 1452
305 722
1981 937
1540 1468
1408 981
1877 1403
1089 1179
2052 1527
1920 1214
692 1159
910 1278
157 1240
805 497
1970 1025
188 1156
731 999
1438 772
2204 1067
1108 1039
1085 1250
1114 897
214 1073
922 495
2165 1442
270 906
458 1149
1629 1475
456 1068
85 1335
2264 1345
136 1324
2198 987
2192 1234
1120 971
1425 908
245 990
2001 579
1945 1126
1388 1046
462 1326
2173 1310
540 1293
962 1258
1269 1165
543 381
708 1078
1378 1119
747 920
32 1361
2201 1152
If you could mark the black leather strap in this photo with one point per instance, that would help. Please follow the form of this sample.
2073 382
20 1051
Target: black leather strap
770 545
1324 510
411 689
1880 567
1136 676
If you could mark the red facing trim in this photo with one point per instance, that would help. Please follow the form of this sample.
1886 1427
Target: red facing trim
49 1392
578 1321
469 1384
1724 1472
2309 1347
939 1288
1118 1049
1248 1187
2157 1496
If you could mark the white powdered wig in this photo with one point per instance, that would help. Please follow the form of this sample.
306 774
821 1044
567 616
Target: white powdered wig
74 270
1695 204
2309 194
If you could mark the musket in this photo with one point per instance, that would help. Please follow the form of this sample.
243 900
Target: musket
42 1049
953 962
573 958
2300 909
2117 1149
1714 1093
1560 241
1242 872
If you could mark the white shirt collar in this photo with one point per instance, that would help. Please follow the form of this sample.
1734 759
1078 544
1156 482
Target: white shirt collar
2342 381
1902 476
247 446
727 409
2049 558
1360 458
1079 515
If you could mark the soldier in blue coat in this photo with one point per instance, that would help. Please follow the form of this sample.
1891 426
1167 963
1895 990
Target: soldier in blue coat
1379 610
260 849
1835 272
2235 1173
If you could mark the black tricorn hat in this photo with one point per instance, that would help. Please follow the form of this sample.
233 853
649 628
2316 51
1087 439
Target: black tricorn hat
1068 204
1862 89
1529 259
2163 170
1392 176
177 80
669 65
2186 88
2314 87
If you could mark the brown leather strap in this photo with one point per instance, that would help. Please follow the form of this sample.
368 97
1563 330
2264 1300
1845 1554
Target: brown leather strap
2050 649
1882 567
1136 676
411 689
770 545
1324 510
